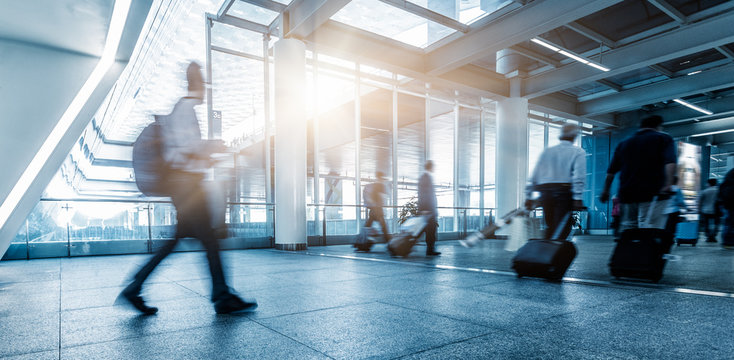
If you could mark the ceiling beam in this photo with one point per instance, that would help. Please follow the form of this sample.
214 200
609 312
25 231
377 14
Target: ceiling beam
662 70
428 14
710 80
703 127
521 25
725 51
678 113
243 24
565 106
612 85
225 7
337 39
687 40
267 4
669 10
591 34
531 54
303 17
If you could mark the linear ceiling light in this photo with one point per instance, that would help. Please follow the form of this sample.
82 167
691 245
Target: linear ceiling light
694 107
713 133
114 34
569 54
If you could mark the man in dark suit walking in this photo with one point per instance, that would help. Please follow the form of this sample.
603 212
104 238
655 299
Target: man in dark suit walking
428 205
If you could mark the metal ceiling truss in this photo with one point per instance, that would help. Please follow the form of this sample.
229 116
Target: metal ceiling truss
686 40
428 14
710 80
669 10
521 25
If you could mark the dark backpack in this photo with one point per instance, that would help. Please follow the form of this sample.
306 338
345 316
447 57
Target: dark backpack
726 191
149 166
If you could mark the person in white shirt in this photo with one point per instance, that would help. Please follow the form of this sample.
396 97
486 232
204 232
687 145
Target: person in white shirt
708 209
559 176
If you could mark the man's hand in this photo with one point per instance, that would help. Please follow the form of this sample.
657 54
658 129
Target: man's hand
604 196
578 205
529 204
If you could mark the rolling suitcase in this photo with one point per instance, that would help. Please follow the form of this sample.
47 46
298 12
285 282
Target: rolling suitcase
402 243
687 233
547 259
639 254
365 239
490 230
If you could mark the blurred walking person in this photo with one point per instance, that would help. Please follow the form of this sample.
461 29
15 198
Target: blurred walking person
559 176
428 205
646 164
188 157
675 205
374 200
709 212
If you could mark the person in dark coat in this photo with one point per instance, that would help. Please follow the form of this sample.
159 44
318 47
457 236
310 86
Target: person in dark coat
428 205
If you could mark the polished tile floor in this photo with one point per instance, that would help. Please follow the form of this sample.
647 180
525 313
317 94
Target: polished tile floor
329 302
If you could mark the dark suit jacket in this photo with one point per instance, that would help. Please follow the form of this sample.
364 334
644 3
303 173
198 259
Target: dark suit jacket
427 196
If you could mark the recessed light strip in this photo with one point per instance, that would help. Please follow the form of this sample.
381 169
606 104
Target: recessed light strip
569 54
114 34
694 107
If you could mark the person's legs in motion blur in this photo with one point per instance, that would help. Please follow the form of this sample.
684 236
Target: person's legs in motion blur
377 214
556 202
630 216
430 231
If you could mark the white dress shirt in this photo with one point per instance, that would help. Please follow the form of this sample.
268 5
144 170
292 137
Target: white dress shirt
564 163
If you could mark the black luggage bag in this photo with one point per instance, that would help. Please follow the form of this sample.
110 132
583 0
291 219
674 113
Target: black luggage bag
402 243
547 259
639 254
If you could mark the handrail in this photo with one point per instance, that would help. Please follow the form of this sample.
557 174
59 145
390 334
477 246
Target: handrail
399 206
142 200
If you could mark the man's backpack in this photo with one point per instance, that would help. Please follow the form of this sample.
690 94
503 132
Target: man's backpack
149 165
726 191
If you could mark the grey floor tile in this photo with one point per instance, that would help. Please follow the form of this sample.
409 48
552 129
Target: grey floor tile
503 345
88 298
41 355
102 324
296 299
30 332
372 330
240 340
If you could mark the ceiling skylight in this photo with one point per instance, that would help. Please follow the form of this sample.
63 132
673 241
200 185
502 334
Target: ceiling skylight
392 22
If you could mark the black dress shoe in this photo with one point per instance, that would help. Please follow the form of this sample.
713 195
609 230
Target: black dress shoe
433 253
132 297
232 303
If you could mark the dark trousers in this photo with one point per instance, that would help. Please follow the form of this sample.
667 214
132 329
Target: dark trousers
376 214
557 201
706 221
672 223
430 231
193 219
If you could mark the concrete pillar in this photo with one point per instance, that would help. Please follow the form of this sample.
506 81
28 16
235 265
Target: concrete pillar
512 138
290 145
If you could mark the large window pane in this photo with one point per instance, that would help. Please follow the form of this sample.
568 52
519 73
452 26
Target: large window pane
411 145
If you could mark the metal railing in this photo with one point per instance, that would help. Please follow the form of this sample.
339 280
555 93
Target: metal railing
78 227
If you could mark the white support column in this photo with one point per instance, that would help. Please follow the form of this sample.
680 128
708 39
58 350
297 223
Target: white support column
266 131
290 145
316 157
394 154
357 148
457 193
482 159
427 126
512 150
